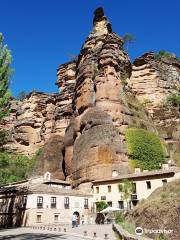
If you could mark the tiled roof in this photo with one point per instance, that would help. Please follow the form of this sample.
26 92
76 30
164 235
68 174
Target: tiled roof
140 175
43 188
57 181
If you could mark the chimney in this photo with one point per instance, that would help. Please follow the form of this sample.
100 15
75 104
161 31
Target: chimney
137 170
114 173
165 166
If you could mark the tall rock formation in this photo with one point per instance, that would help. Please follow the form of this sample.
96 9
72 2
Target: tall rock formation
94 139
81 129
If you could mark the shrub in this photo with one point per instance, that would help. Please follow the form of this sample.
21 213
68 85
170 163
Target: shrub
144 148
128 226
14 167
119 217
101 205
173 100
162 54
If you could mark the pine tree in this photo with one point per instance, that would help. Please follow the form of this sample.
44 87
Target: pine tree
128 39
5 73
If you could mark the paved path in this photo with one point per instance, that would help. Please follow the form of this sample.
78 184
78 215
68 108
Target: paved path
28 234
71 234
99 229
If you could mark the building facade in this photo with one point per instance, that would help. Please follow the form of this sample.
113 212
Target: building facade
145 183
44 201
38 202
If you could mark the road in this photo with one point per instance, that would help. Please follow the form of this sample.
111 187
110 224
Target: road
28 234
70 234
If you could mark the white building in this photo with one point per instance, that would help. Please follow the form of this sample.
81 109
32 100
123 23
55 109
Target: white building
38 202
144 184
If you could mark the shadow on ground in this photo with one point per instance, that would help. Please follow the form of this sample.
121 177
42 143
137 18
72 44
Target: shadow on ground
30 236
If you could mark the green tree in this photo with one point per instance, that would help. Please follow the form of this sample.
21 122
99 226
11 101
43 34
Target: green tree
5 73
128 39
126 188
15 167
101 205
21 96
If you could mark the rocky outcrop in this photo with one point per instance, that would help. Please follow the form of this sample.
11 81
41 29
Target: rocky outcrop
82 128
50 158
94 140
152 81
34 120
66 84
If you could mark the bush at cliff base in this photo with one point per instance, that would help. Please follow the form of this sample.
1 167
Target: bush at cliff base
14 167
144 149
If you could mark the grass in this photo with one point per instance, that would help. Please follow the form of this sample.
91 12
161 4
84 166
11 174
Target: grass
129 226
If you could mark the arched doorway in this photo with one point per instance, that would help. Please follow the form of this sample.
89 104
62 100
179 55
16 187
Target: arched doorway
78 217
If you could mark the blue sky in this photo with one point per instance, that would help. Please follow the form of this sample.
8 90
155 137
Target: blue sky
43 33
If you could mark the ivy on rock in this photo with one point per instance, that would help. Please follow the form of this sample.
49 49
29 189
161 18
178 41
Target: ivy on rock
145 149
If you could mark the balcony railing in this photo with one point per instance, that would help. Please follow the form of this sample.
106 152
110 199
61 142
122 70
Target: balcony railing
39 205
86 206
53 205
134 196
66 206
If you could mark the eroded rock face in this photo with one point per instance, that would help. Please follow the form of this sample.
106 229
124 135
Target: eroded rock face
82 128
152 81
94 140
51 157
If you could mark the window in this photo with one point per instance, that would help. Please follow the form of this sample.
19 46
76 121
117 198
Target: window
164 181
39 202
148 183
24 201
56 218
109 188
109 204
39 218
134 188
103 197
97 189
86 203
66 202
121 204
53 202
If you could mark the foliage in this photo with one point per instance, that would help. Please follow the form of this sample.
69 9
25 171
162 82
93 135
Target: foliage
4 137
21 96
146 102
162 54
128 226
14 167
5 73
95 71
128 39
173 100
126 188
119 217
101 205
162 237
144 148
